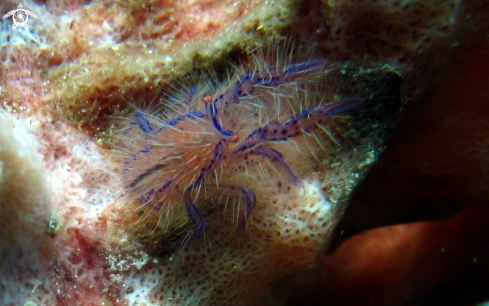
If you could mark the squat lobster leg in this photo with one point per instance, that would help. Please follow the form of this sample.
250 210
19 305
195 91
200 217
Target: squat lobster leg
250 205
192 211
276 157
196 217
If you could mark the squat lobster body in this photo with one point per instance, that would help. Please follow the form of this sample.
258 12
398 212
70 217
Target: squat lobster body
228 139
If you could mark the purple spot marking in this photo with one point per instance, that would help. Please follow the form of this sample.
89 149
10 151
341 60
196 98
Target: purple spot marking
146 149
166 185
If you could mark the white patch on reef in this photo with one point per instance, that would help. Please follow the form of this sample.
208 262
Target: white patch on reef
54 176
25 208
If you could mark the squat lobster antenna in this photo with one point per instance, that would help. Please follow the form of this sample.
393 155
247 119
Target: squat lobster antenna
339 106
305 67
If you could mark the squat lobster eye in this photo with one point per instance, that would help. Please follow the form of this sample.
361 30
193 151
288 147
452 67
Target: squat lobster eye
235 138
207 99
